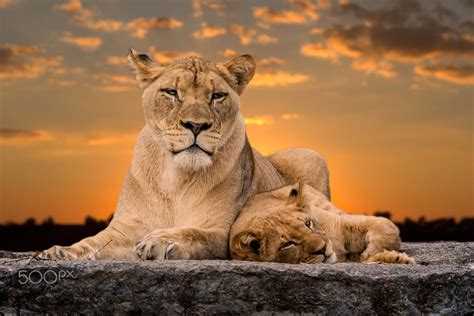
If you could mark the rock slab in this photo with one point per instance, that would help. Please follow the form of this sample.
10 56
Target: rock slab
441 282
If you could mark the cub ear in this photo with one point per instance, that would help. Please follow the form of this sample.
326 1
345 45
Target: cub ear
296 195
244 243
143 66
241 70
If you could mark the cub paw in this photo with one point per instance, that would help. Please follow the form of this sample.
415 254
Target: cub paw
64 253
159 246
390 257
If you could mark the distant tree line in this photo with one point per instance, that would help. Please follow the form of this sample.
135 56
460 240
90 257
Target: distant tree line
33 236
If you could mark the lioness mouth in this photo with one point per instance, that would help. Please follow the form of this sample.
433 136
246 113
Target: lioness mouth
193 147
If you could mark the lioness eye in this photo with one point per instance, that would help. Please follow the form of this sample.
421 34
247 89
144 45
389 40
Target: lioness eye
172 92
218 95
287 245
309 223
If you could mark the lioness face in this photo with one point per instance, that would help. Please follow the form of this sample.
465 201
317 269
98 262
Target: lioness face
192 105
287 233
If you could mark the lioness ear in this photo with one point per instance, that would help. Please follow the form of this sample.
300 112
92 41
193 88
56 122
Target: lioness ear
296 195
246 242
143 67
241 70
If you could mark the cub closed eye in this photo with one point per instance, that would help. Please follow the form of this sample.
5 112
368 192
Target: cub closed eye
218 95
171 92
288 245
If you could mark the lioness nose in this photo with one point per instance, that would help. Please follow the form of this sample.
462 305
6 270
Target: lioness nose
196 128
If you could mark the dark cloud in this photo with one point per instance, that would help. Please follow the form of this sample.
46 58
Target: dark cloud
18 61
12 133
456 73
401 31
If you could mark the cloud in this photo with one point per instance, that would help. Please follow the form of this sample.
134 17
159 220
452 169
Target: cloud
111 83
455 73
85 17
266 39
19 61
269 16
228 53
115 88
61 71
84 43
141 26
401 31
166 56
138 27
319 50
218 6
374 66
209 31
7 3
259 120
290 116
106 78
270 61
261 62
310 8
277 78
116 60
244 33
17 135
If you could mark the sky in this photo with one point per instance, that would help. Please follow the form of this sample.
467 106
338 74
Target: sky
383 89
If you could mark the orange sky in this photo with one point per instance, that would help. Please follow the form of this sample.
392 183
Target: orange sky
383 89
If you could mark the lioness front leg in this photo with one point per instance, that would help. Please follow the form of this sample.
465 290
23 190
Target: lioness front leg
183 243
110 243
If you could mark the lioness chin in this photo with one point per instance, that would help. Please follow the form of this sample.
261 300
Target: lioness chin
298 224
193 168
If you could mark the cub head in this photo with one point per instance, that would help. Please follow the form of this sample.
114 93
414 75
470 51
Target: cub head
192 105
286 232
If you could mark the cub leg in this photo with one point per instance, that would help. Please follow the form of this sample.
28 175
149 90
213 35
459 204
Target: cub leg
390 257
303 164
380 238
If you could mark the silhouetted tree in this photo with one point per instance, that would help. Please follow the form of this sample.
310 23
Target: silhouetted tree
30 222
90 221
386 214
48 221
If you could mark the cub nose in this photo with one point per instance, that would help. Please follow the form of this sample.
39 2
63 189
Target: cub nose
320 251
196 128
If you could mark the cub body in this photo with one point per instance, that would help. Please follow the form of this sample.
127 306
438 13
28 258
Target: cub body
298 224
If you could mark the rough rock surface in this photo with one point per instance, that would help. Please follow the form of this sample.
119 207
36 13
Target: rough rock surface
441 282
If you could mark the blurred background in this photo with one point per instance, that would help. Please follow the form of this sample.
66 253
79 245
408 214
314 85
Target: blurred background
383 89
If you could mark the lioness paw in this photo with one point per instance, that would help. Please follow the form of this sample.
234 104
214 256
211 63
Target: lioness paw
390 257
158 246
64 253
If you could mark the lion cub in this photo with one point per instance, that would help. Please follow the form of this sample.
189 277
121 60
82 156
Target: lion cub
298 224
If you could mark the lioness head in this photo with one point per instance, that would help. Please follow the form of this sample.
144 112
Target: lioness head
286 232
191 104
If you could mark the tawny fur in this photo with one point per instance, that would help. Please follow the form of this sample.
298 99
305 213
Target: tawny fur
179 202
297 224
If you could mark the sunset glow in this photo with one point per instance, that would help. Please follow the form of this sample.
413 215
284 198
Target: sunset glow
383 89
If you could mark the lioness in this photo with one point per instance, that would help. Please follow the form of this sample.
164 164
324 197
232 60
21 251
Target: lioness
192 168
298 224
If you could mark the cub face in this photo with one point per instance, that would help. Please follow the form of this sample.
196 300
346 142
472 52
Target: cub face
192 105
287 232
